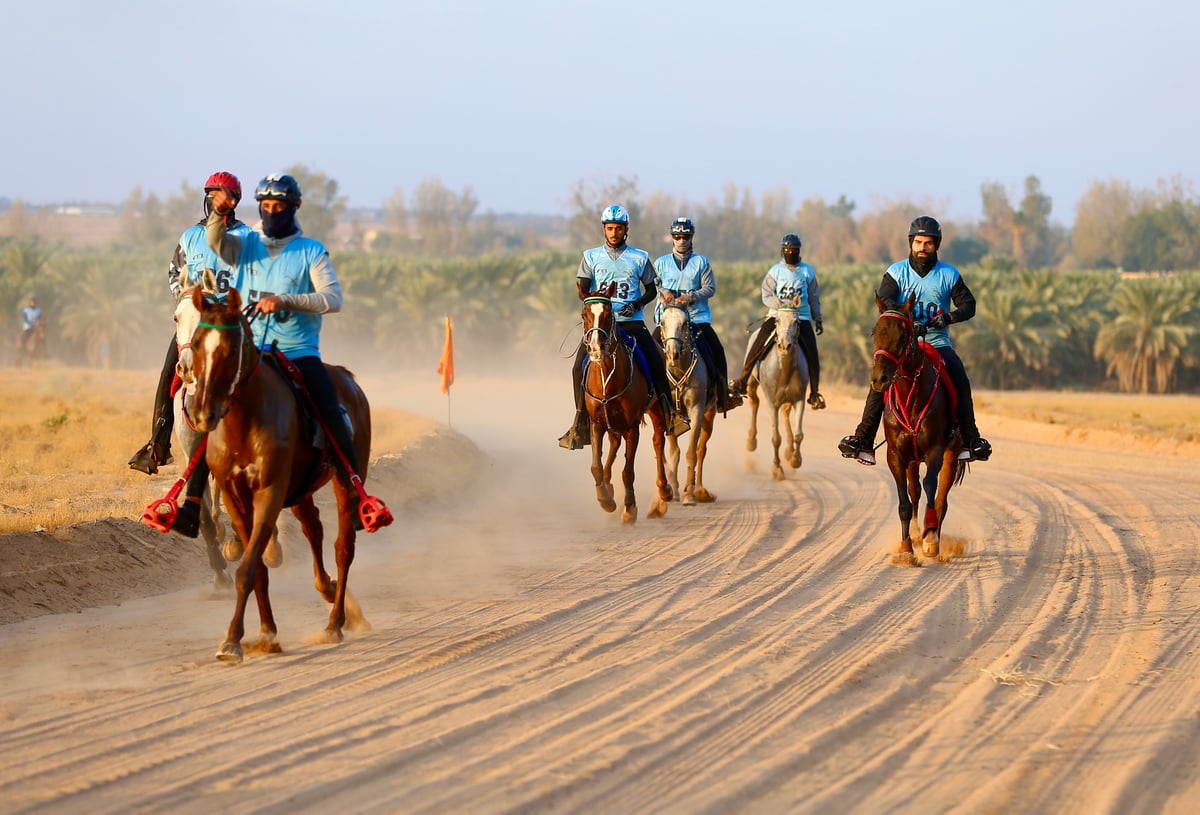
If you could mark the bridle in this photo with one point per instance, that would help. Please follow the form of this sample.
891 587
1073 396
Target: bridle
686 347
607 348
903 404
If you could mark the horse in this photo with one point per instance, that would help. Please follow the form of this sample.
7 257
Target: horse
31 346
260 458
917 421
782 372
693 395
616 396
211 527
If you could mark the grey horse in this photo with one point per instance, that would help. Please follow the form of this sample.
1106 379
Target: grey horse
690 392
782 372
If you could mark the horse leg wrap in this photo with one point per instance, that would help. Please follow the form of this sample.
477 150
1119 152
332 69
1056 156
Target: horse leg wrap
931 518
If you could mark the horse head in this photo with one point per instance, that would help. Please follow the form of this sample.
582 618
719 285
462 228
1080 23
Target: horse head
222 355
676 327
187 317
599 324
787 332
895 344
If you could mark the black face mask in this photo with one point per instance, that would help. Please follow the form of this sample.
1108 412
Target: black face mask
278 224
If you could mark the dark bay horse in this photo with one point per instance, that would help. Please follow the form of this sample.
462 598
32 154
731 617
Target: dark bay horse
783 375
692 395
261 459
917 421
616 395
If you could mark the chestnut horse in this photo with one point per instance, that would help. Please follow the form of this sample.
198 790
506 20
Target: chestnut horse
783 374
692 395
917 422
616 396
262 460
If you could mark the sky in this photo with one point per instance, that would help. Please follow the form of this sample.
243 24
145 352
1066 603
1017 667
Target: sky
523 100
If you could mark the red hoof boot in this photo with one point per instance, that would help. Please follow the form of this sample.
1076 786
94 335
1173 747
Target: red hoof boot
374 514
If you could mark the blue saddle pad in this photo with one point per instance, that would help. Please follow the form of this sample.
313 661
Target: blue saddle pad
638 357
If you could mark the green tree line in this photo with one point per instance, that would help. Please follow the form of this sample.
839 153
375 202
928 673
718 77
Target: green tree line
1034 328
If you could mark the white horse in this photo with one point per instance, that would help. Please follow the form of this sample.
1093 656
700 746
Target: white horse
690 388
783 374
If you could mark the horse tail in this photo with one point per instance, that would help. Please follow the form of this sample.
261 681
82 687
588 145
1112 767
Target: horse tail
960 471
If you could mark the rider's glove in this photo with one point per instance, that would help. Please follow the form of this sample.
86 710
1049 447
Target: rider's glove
627 310
941 320
820 327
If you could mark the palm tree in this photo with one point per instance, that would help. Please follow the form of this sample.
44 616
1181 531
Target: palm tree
1150 336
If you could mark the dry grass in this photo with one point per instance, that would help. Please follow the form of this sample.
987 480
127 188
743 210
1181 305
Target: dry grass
1159 417
68 433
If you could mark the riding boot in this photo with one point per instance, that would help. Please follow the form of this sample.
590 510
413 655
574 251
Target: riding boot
757 347
157 451
863 439
577 436
187 520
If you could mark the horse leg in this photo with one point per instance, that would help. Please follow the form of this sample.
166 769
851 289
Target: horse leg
309 516
795 429
776 440
664 490
212 546
629 513
248 575
905 556
703 435
937 493
344 552
752 395
672 465
602 473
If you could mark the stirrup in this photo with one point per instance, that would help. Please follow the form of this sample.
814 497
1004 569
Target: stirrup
374 514
866 457
160 514
817 401
733 399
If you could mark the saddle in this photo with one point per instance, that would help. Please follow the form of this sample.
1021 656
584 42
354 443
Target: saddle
638 357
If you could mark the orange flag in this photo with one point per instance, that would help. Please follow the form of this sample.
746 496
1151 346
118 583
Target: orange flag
446 366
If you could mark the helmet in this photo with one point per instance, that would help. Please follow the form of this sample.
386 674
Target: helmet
790 239
614 214
227 180
278 187
683 226
924 225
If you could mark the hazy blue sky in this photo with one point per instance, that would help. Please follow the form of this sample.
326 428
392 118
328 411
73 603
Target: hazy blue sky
872 99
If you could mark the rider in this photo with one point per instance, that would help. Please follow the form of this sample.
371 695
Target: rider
31 318
192 256
290 282
631 269
942 298
686 279
790 284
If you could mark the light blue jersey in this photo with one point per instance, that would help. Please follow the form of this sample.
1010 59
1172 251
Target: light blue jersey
932 292
198 256
630 269
259 275
793 287
30 317
696 277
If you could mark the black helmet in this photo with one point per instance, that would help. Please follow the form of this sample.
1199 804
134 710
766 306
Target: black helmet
926 226
791 239
278 187
683 226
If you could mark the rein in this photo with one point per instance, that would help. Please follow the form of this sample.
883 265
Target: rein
607 351
901 399
686 342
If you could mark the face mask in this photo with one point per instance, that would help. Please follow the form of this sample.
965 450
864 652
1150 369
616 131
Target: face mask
278 224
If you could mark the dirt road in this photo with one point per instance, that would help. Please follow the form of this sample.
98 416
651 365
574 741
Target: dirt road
760 654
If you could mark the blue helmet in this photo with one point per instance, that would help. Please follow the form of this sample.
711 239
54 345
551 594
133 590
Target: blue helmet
278 187
683 226
614 214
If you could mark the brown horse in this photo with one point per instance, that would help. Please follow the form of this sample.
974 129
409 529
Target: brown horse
261 460
616 395
917 423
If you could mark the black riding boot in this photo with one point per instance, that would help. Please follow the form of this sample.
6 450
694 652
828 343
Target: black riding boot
978 447
756 350
578 435
861 446
187 521
157 451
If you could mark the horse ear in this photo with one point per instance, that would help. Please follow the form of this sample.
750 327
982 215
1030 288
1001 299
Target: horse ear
209 281
610 289
910 303
879 304
198 298
235 300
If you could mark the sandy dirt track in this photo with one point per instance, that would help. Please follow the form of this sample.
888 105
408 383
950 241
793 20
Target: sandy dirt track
529 653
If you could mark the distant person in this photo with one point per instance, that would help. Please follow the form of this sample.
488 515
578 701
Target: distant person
942 298
790 284
617 262
687 279
32 329
192 256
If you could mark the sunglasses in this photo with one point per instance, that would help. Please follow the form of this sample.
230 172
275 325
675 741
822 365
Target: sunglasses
681 236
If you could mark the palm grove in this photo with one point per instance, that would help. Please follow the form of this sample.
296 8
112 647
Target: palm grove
1110 302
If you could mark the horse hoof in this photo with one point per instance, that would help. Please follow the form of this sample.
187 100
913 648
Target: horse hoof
230 652
777 474
608 506
689 500
794 462
931 545
704 496
232 549
629 514
907 559
221 580
657 509
273 554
